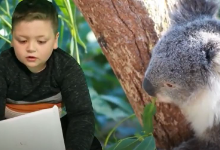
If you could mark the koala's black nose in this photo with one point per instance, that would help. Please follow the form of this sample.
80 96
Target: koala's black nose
148 87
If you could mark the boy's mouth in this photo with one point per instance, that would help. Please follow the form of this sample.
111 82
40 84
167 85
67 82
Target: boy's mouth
31 58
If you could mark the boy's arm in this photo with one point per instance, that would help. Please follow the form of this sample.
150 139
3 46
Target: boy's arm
75 94
3 90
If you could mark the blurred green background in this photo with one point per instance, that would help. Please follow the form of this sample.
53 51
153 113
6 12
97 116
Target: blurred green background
109 100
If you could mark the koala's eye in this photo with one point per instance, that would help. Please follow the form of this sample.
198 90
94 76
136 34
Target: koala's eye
168 85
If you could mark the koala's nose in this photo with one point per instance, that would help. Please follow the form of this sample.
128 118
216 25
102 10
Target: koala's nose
148 87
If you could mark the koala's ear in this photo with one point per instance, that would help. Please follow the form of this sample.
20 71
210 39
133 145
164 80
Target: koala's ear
213 56
210 50
188 10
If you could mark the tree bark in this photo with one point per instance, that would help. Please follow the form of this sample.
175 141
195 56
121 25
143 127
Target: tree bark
127 30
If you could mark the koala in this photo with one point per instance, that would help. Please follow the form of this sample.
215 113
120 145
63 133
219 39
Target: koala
184 69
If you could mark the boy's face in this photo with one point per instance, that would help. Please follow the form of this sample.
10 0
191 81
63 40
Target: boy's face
33 43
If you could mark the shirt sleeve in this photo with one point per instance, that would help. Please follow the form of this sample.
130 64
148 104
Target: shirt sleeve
75 95
3 89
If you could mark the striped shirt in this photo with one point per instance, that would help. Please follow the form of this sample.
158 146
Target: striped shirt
61 83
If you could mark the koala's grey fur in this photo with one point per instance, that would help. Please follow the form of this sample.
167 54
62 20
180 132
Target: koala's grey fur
185 70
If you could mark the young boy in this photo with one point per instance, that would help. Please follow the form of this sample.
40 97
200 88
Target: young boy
35 74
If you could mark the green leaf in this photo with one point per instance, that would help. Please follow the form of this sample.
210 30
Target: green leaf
7 7
149 112
5 12
119 102
5 39
119 113
61 34
147 144
102 107
5 21
72 46
125 144
62 6
79 41
68 9
116 126
69 24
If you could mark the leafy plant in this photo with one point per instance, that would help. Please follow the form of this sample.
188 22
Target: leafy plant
138 142
5 23
68 16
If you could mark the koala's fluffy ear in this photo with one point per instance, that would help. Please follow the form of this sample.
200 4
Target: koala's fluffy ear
189 10
211 47
213 55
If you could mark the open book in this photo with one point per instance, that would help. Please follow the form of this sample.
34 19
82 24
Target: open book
40 130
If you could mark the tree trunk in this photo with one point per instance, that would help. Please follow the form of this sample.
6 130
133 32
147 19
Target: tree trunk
127 30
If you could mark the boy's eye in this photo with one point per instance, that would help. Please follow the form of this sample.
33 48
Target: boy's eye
42 42
23 42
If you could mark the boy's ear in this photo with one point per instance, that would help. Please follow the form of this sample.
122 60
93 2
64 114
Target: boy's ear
56 41
11 43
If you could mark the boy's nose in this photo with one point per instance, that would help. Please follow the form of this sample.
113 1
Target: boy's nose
31 50
148 87
31 47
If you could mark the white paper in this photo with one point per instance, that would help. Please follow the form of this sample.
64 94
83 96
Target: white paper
40 130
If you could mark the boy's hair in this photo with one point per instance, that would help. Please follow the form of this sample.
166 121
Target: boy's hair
29 10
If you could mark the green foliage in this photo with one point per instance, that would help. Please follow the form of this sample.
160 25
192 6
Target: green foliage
149 112
115 127
140 142
148 143
103 105
68 10
5 23
126 144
